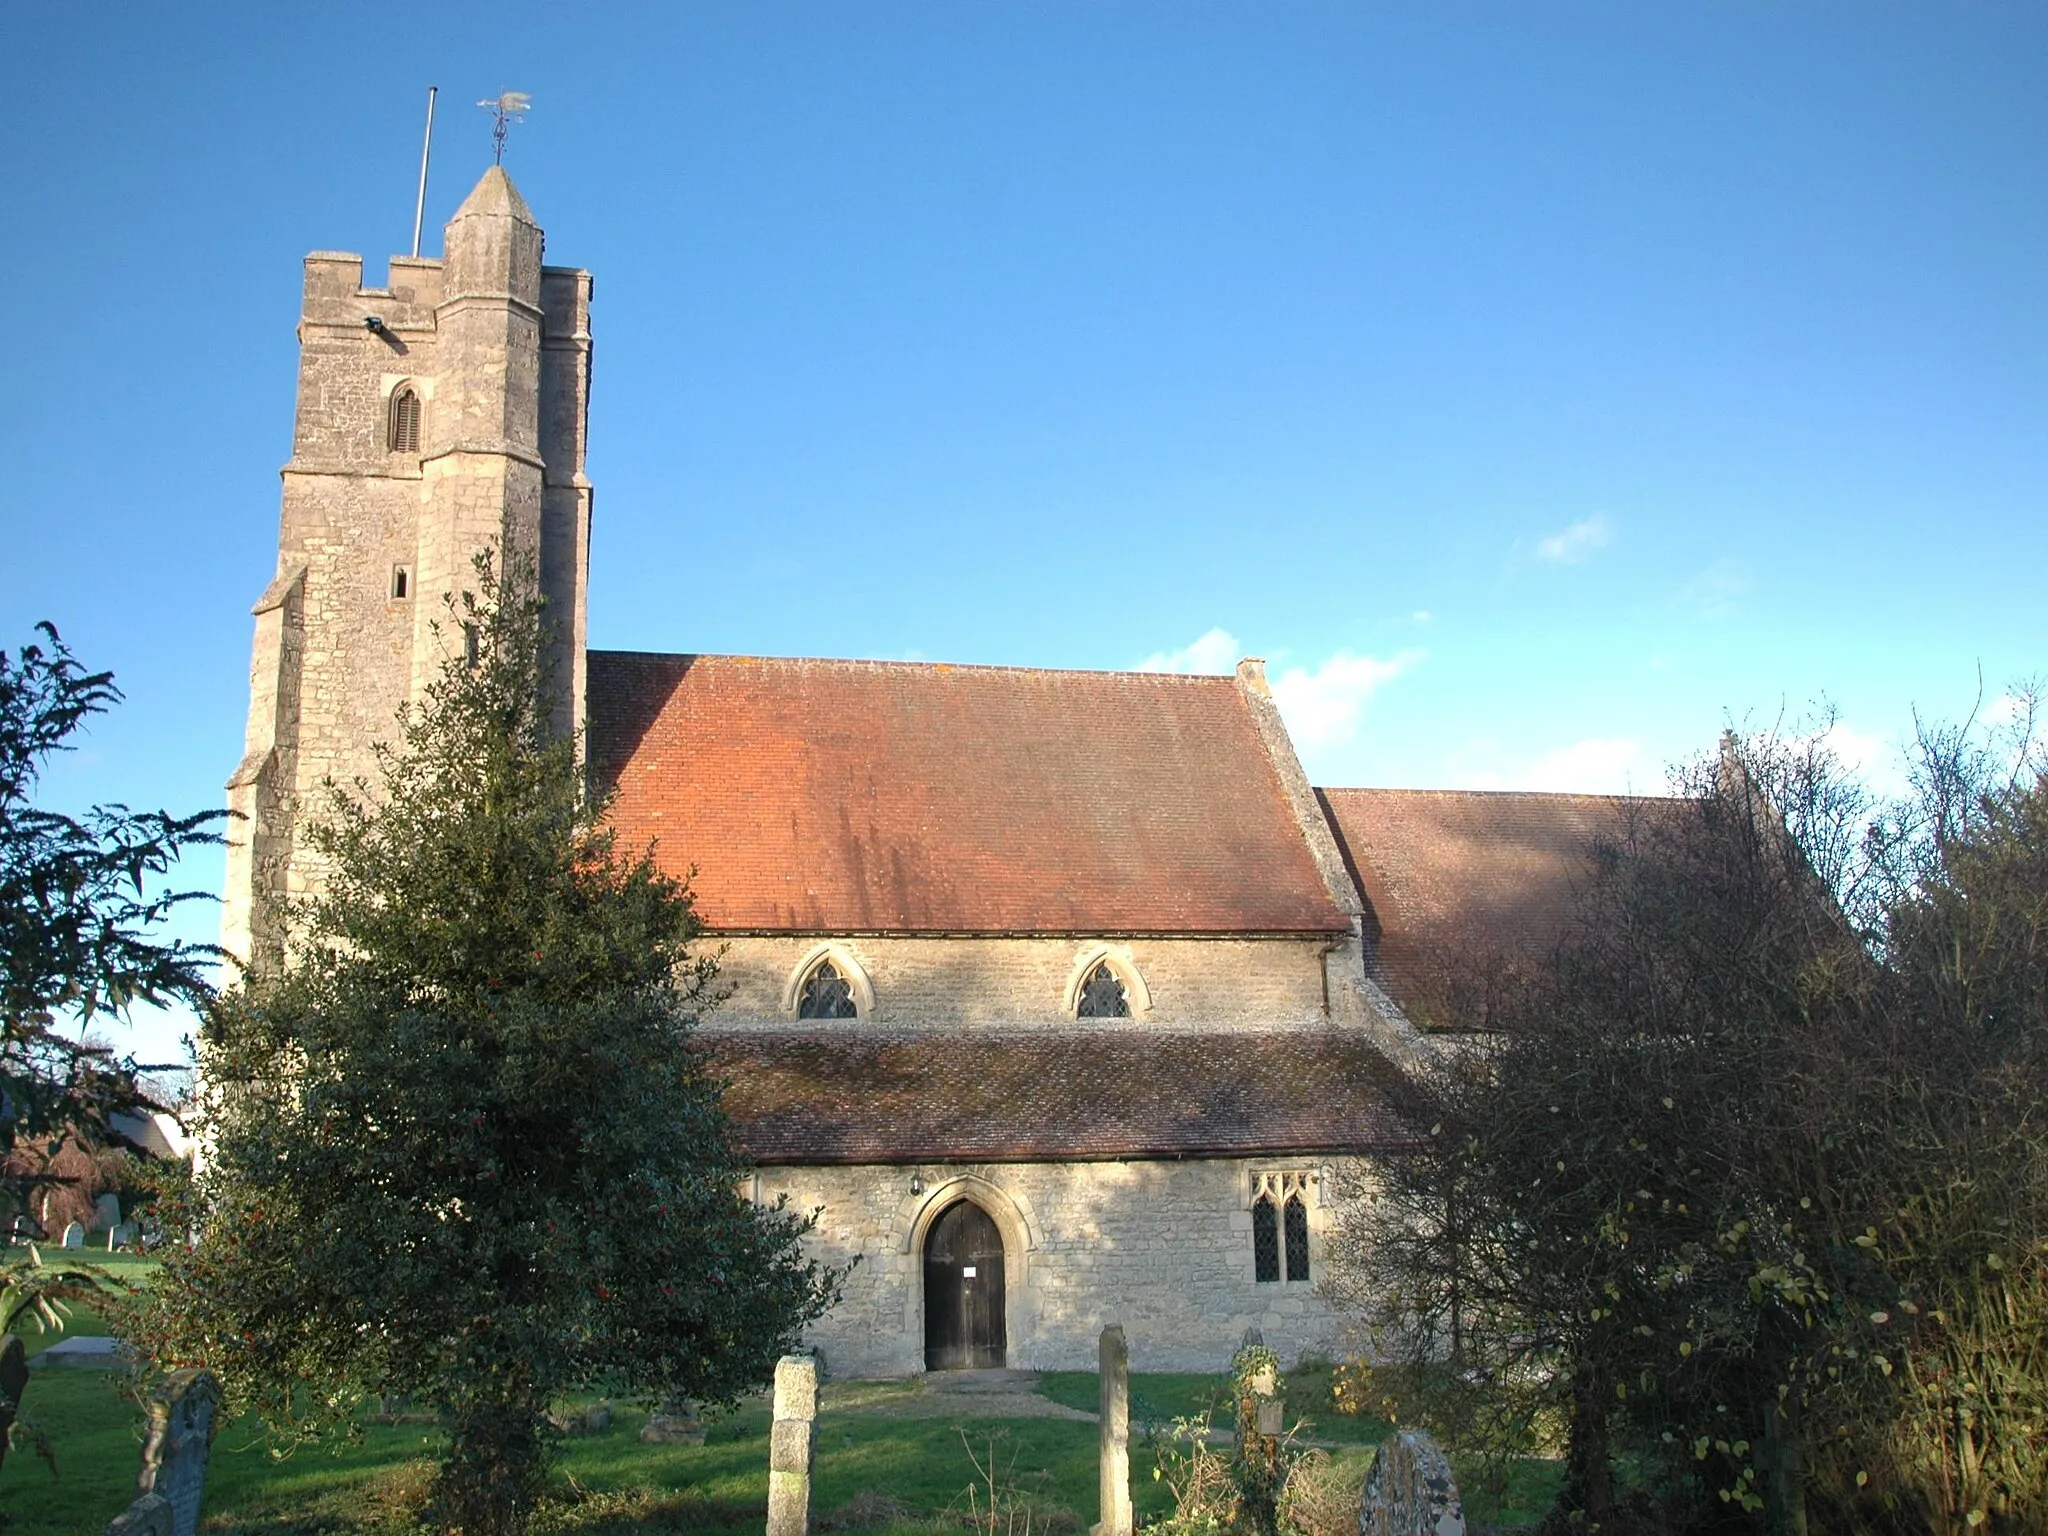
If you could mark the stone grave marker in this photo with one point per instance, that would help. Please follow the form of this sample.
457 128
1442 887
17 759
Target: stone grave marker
1409 1490
74 1236
182 1418
149 1515
790 1446
1113 1360
674 1423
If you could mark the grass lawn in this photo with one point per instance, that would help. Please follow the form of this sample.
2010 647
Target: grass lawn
896 1471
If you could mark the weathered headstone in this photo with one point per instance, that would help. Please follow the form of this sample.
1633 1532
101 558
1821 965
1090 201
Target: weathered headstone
674 1423
790 1446
182 1418
1113 1362
1409 1490
74 1235
106 1212
149 1515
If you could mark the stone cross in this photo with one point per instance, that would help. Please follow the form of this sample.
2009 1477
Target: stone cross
1409 1490
791 1445
182 1418
1113 1360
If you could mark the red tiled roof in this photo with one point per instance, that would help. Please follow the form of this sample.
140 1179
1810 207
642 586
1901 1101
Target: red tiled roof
1463 881
899 797
855 1095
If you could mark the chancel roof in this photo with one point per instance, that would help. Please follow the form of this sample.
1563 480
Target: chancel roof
1465 885
899 797
863 1095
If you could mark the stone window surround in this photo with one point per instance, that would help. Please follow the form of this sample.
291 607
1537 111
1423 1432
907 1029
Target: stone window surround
1278 1185
1119 959
423 390
851 971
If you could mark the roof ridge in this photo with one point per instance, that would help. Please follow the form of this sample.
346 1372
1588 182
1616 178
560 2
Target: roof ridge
880 663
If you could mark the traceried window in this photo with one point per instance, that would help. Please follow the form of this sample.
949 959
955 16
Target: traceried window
405 420
1294 1216
825 994
1265 1240
1103 995
1280 1228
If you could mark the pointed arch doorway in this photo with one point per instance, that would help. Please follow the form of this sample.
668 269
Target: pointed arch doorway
964 1324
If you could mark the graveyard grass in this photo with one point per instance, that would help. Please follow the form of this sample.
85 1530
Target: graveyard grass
610 1484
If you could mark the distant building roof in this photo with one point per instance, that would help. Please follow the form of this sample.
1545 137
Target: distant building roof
900 797
1466 882
861 1095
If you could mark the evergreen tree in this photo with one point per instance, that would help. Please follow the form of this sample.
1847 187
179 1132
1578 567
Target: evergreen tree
460 1146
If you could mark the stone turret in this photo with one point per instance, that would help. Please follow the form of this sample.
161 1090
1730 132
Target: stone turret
439 415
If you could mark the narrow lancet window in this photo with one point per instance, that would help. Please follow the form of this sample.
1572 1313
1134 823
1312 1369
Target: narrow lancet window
1103 995
405 420
826 994
1265 1240
1296 1215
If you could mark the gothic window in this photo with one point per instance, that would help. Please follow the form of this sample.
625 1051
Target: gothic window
405 420
826 994
1280 1226
1103 995
1265 1240
1295 1215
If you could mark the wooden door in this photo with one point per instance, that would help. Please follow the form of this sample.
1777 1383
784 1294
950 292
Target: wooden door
964 1327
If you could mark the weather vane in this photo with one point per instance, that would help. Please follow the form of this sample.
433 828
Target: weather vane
506 108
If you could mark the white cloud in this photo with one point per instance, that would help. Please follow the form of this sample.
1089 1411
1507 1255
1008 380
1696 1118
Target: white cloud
1578 542
1596 765
1323 706
1717 591
1320 705
1216 651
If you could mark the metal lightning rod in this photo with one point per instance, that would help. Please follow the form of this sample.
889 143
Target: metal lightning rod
419 209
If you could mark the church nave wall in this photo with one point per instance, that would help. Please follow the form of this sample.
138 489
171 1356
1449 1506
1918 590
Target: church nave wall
1164 1248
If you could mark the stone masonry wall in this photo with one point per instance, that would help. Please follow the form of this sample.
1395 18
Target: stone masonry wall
501 363
1165 1249
995 981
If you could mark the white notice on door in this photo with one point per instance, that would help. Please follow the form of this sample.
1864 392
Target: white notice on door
966 1271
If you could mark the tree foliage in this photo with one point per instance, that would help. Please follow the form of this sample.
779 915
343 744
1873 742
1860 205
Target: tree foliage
1748 1196
81 904
460 1145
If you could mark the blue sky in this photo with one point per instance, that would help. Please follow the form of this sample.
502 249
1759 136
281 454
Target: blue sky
1535 387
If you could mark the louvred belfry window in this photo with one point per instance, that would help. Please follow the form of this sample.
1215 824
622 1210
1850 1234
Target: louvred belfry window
825 994
1103 995
1265 1240
405 420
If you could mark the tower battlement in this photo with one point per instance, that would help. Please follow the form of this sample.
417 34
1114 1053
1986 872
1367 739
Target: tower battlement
440 415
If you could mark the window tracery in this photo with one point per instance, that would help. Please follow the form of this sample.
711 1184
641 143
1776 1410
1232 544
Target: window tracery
1103 995
826 994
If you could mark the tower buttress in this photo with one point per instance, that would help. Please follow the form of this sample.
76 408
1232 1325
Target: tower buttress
387 500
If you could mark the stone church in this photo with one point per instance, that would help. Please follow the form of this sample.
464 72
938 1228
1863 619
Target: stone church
1063 997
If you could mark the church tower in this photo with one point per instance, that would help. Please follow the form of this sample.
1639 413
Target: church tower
443 414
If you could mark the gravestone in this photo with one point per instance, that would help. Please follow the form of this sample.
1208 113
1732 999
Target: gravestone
149 1515
106 1212
182 1417
74 1236
1113 1362
790 1446
675 1423
1409 1490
